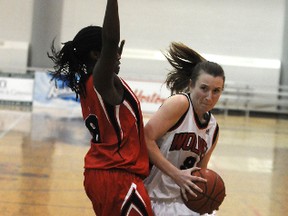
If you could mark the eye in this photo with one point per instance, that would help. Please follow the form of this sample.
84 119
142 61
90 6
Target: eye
204 88
217 91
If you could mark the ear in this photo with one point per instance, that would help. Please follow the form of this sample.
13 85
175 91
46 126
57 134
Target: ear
191 83
94 54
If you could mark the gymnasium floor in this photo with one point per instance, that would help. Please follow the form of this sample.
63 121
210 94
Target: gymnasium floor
41 165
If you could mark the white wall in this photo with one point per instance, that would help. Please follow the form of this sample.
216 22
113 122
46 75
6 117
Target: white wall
16 20
245 28
15 34
238 28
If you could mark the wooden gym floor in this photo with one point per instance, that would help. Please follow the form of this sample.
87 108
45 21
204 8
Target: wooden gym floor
41 165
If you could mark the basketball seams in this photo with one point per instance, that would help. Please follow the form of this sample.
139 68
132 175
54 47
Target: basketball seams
204 193
212 192
208 196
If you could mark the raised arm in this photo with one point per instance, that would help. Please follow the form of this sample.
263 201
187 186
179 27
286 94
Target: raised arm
105 77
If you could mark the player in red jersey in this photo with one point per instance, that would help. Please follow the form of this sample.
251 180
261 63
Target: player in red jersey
117 160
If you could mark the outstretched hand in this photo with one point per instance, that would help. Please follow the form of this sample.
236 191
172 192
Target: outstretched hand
186 182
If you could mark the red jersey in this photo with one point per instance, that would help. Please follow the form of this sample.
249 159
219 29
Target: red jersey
117 132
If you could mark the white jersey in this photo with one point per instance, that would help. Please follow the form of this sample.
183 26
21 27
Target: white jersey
184 145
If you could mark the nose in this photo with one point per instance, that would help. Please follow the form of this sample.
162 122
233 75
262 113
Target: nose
209 96
118 57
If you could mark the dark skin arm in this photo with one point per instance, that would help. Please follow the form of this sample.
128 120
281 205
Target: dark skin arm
105 78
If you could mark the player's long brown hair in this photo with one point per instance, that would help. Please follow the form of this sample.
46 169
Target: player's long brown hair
187 65
72 61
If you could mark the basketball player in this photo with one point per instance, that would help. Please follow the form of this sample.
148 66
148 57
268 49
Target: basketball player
117 161
183 133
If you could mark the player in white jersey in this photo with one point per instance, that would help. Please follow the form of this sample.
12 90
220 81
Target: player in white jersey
183 133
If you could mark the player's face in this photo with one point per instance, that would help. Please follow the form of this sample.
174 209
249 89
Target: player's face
117 64
206 92
120 49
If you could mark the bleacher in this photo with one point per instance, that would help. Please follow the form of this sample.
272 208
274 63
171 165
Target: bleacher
250 99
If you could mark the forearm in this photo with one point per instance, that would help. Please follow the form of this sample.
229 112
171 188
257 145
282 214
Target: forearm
104 74
111 24
157 159
205 160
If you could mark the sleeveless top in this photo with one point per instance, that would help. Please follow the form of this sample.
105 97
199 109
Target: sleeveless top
184 145
117 132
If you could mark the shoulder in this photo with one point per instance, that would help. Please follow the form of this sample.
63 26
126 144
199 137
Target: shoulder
178 100
176 104
170 112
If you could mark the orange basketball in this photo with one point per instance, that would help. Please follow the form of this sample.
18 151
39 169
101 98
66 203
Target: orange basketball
213 192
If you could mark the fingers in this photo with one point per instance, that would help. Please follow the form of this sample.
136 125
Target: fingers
191 182
183 191
196 178
191 188
186 189
195 187
194 169
199 179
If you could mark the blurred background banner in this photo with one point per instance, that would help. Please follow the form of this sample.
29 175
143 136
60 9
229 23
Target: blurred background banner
150 94
16 89
46 95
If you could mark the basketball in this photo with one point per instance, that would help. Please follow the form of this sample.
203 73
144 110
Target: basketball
213 192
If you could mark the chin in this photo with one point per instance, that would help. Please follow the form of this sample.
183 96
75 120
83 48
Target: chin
117 70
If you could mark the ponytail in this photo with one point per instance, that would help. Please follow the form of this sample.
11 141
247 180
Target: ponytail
70 63
183 60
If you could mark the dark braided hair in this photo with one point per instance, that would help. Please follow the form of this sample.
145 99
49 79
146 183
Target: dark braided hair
187 65
72 61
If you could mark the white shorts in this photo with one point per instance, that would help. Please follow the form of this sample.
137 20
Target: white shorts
174 208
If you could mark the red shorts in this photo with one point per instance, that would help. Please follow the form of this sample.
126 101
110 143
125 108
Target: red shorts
116 193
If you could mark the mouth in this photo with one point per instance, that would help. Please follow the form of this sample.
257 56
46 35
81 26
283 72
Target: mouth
206 104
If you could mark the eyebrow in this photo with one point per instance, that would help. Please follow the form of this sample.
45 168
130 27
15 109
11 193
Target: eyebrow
204 84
